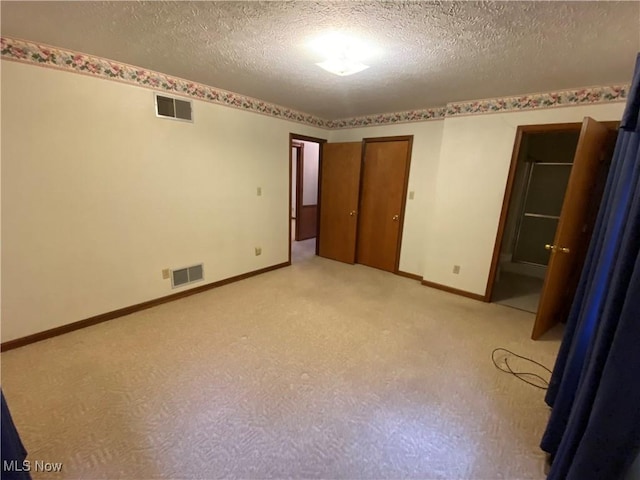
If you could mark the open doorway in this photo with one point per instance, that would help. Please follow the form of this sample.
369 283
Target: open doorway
305 156
542 174
548 215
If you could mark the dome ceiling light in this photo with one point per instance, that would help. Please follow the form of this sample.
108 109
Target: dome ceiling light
343 55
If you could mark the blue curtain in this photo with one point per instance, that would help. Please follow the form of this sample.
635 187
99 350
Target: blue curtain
12 452
594 427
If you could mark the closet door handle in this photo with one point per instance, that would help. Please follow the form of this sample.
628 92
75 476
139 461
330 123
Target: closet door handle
352 213
395 218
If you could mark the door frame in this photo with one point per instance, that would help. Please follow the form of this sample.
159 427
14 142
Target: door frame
305 138
299 182
405 188
521 130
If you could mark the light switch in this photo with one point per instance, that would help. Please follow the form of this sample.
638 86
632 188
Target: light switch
259 191
411 195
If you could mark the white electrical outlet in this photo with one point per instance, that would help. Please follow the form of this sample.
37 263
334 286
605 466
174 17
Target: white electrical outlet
258 251
456 269
259 191
166 273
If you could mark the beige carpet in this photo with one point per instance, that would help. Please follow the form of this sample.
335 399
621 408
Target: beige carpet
319 370
302 251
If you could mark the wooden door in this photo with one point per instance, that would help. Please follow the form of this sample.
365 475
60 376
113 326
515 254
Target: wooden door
383 192
339 187
577 219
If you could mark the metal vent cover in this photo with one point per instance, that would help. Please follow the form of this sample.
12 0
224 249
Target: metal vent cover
169 107
186 275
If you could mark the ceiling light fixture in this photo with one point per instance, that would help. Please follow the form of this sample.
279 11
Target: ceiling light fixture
344 55
342 67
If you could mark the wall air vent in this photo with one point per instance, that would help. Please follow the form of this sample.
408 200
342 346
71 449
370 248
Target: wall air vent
184 276
169 107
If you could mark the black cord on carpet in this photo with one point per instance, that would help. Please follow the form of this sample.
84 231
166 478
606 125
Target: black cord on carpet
543 382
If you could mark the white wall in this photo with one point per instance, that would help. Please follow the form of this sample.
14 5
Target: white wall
459 169
311 158
99 195
422 181
473 168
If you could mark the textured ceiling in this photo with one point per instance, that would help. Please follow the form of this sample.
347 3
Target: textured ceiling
431 53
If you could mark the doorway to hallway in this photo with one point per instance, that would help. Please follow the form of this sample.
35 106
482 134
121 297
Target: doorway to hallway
304 168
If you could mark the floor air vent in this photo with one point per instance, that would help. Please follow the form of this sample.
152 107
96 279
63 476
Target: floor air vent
183 276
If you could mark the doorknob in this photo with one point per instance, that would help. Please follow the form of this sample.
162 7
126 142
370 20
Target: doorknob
352 213
395 218
553 248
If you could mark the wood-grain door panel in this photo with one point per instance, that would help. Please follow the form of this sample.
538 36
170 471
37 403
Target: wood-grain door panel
339 187
382 197
577 220
307 222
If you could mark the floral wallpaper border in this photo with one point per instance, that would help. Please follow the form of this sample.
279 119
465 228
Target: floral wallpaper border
29 52
564 98
409 116
537 101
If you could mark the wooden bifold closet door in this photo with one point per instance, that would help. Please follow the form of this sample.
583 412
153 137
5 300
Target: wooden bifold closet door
382 198
339 187
363 191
